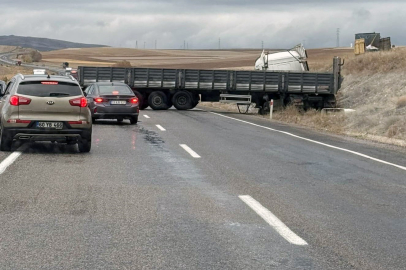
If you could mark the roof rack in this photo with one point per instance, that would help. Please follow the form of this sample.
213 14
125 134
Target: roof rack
21 75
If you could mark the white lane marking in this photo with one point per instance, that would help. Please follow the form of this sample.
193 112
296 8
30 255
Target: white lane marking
274 221
146 116
189 150
320 143
11 158
160 127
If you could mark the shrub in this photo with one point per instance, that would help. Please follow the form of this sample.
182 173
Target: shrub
27 58
123 64
36 56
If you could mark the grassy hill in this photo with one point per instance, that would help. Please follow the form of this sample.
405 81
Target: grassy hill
42 44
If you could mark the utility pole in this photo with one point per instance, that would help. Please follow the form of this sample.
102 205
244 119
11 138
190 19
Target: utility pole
155 44
184 44
262 45
136 44
187 46
338 37
219 43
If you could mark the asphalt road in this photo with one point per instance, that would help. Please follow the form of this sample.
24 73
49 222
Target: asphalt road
139 200
5 58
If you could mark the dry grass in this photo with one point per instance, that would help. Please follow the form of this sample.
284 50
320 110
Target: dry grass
377 62
321 60
7 72
314 119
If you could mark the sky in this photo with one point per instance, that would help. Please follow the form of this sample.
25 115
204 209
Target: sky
201 24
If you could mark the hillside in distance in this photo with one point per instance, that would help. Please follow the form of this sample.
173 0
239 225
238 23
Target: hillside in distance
42 44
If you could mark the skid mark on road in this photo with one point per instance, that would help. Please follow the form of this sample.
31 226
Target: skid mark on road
274 221
317 142
11 158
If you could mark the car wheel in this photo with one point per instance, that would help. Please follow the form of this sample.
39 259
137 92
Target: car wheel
5 140
134 120
182 100
85 143
158 100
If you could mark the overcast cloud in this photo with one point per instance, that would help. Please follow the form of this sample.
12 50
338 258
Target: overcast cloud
239 23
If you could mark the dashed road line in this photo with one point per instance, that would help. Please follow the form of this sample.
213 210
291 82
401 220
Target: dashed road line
317 142
146 116
10 159
160 128
274 221
189 150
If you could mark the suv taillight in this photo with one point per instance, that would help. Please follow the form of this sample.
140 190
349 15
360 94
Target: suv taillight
17 100
81 102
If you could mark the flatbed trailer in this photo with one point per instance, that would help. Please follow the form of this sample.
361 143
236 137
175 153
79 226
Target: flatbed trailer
184 88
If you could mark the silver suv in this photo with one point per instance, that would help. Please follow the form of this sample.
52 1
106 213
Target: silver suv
44 108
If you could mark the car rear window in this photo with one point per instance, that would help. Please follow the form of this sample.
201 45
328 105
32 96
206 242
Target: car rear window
49 89
115 90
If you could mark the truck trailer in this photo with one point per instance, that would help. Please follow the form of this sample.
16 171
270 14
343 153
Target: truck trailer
185 88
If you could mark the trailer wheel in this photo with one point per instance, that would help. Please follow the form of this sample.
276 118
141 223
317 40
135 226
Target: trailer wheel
142 101
158 100
182 100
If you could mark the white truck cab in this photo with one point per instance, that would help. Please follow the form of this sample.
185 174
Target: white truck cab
291 60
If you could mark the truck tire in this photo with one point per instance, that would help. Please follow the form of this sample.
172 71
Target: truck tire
158 100
182 100
142 101
5 141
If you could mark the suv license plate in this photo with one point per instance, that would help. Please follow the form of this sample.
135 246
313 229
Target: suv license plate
52 125
118 102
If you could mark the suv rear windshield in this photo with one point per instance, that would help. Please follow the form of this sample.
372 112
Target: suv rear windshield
49 89
115 90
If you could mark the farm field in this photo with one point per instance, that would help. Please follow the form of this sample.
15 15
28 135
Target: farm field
319 59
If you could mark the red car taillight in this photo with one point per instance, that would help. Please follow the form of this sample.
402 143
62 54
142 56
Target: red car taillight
78 122
134 100
18 121
81 102
99 100
17 100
